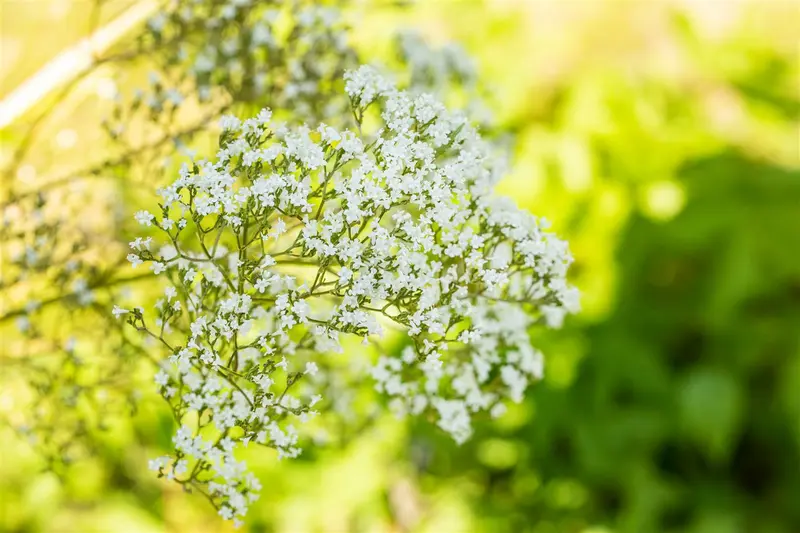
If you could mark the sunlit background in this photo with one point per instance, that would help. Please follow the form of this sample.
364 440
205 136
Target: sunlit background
661 139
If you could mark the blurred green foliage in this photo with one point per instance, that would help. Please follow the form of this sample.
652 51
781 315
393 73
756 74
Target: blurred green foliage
661 139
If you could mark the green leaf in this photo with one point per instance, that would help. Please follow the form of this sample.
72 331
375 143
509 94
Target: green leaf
711 408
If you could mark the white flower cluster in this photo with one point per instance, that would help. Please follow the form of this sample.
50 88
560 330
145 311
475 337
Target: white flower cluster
435 67
444 71
293 238
281 52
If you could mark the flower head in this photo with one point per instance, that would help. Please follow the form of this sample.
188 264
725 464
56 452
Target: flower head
320 234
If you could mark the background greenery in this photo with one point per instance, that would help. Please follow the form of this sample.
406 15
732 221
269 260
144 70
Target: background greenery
661 138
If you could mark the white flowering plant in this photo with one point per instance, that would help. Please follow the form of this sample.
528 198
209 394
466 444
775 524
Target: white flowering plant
379 225
292 240
59 266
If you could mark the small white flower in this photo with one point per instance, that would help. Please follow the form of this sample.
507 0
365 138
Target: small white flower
498 410
311 368
229 123
134 260
23 324
145 218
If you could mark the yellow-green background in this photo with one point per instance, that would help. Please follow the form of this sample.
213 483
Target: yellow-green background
661 138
